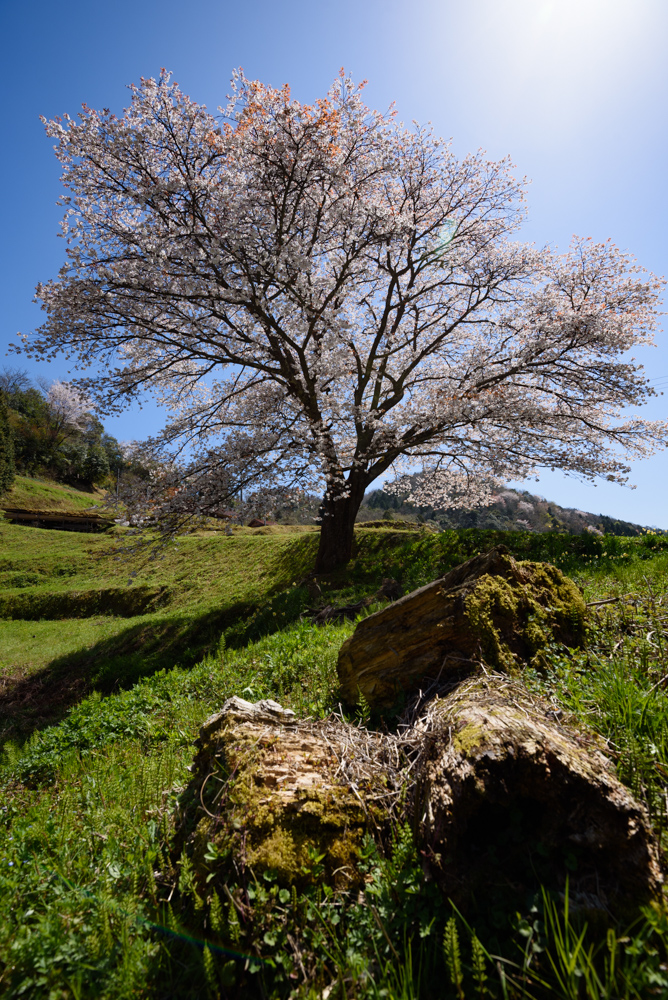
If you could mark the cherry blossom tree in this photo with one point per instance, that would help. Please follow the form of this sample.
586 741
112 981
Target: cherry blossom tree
249 476
343 291
69 410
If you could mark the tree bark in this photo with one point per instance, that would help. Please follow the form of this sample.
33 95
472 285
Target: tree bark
503 794
266 789
507 797
337 529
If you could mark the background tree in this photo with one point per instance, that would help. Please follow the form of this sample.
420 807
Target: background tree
54 432
343 291
7 467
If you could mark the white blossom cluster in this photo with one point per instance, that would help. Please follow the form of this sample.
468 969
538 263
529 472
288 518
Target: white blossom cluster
340 293
68 405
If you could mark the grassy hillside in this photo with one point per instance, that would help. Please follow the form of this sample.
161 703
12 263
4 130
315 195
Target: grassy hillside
45 495
111 660
85 611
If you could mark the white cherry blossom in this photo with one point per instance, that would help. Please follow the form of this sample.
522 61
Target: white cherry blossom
342 293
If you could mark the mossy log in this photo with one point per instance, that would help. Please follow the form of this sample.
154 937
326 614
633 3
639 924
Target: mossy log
490 610
503 797
273 796
508 798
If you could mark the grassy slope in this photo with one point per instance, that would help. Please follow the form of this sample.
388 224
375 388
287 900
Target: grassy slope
64 590
197 568
86 611
87 803
42 494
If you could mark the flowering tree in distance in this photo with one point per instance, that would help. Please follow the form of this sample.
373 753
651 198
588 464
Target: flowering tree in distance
341 295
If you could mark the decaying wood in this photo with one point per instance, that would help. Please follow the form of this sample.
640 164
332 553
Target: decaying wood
503 797
490 609
506 798
332 613
287 793
502 794
259 712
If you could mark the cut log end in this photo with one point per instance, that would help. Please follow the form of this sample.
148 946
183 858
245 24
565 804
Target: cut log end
508 800
270 793
503 797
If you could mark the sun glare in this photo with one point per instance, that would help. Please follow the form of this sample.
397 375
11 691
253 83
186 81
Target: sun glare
560 61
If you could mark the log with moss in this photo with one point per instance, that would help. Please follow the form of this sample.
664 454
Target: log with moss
490 609
508 798
502 795
295 800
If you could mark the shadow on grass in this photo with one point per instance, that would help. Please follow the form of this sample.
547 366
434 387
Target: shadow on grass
41 699
166 639
293 562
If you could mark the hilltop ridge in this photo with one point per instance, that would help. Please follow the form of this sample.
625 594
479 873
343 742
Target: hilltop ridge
510 510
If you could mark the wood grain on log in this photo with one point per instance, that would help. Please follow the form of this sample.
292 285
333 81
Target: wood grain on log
278 794
490 609
503 796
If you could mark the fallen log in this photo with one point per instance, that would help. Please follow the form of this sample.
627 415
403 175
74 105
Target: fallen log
389 590
490 610
502 795
331 613
292 799
507 798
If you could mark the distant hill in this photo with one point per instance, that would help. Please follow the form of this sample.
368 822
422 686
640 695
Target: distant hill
510 510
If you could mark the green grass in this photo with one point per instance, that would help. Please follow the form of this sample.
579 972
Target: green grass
197 570
86 612
93 903
86 826
45 495
87 815
107 610
618 684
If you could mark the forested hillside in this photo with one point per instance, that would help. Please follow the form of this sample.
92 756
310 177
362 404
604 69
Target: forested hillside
51 432
509 510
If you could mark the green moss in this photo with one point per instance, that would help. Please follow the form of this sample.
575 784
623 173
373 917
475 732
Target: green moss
320 838
491 600
311 836
519 617
468 739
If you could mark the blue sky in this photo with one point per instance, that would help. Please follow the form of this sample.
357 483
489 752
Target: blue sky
575 90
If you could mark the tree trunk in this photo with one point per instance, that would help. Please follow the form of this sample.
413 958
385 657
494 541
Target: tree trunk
337 528
490 609
504 796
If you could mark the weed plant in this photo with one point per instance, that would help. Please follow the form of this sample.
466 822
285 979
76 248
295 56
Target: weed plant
94 901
